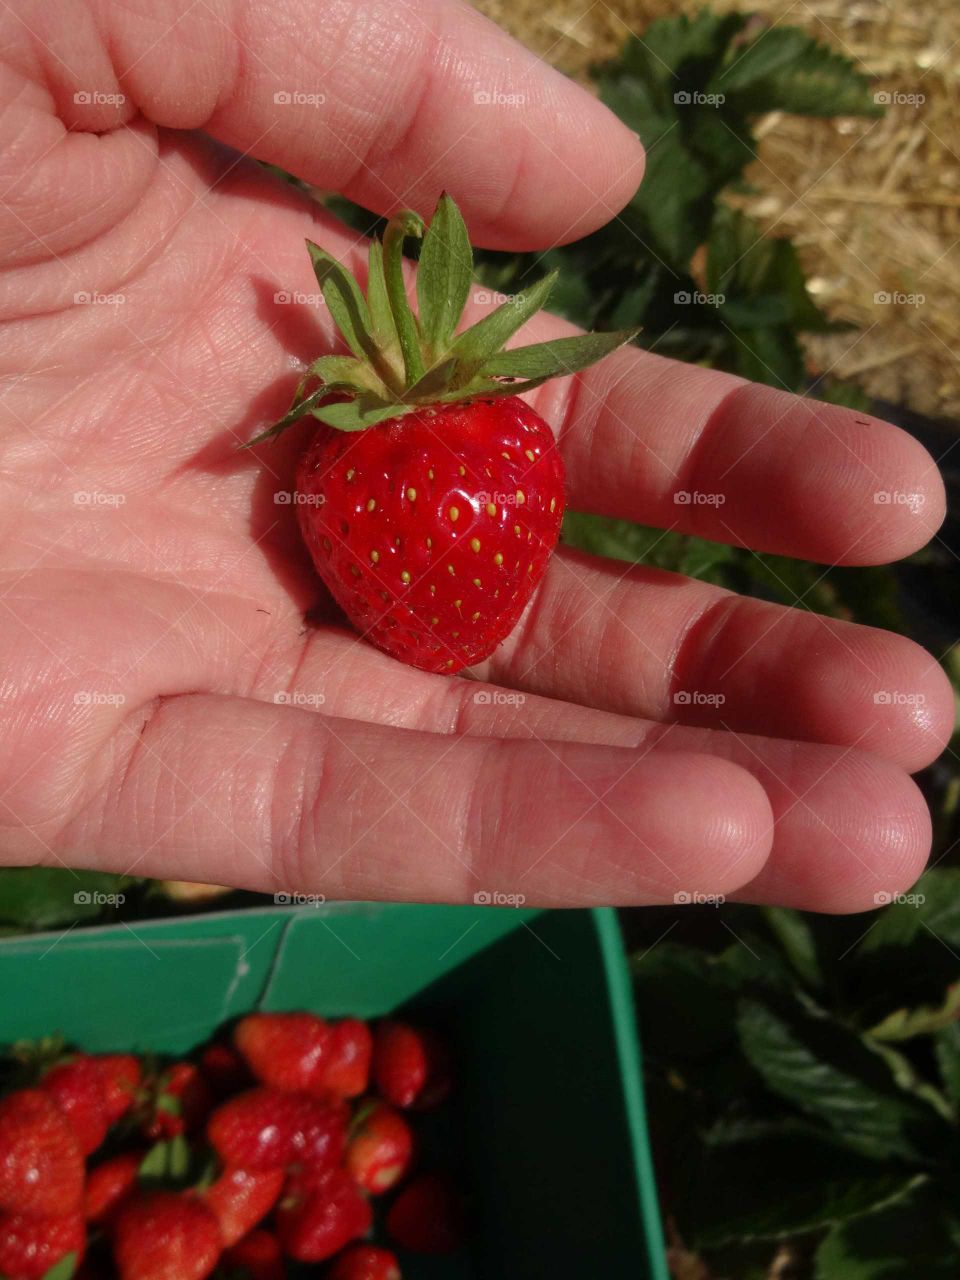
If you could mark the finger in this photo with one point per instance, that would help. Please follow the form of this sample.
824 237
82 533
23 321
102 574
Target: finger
848 825
681 447
389 104
277 798
654 644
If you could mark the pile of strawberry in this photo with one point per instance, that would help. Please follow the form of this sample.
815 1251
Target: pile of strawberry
268 1145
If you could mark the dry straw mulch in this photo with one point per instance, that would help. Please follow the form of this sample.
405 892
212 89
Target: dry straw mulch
872 205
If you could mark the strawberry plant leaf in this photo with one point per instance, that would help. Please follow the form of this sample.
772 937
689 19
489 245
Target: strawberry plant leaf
355 415
901 1241
947 1052
477 344
381 315
767 1181
444 275
829 1073
556 358
406 223
63 1269
346 303
795 936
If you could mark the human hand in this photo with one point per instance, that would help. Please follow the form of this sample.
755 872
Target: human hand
154 592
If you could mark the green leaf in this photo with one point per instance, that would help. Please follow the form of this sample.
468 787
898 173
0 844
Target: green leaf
828 1072
906 1240
404 224
769 1181
346 303
355 415
931 908
796 937
557 358
168 1163
444 275
347 373
381 314
478 343
45 897
63 1269
946 1047
904 1024
785 69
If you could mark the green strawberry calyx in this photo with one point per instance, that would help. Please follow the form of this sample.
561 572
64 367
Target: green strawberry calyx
400 361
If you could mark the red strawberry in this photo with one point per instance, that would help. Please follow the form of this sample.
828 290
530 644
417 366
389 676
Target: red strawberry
122 1075
257 1256
346 1068
432 497
224 1070
163 1235
79 1088
41 1167
411 1065
241 1199
431 531
365 1262
379 1148
109 1184
267 1128
285 1050
31 1246
182 1103
319 1215
427 1216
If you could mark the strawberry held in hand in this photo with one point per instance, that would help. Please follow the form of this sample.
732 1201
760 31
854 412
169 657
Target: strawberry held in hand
431 496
